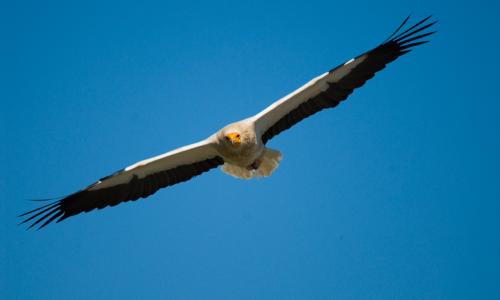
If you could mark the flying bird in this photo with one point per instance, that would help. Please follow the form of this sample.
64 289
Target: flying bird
239 148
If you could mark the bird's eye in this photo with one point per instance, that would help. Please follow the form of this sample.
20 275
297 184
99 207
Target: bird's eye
237 135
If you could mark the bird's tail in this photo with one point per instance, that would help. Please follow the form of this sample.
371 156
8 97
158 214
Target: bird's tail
269 161
265 165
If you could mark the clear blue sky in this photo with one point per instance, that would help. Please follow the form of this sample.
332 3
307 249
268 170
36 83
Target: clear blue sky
400 198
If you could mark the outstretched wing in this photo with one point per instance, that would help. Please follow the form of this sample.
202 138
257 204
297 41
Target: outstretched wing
136 181
328 89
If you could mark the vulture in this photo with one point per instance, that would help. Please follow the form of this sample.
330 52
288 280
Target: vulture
238 148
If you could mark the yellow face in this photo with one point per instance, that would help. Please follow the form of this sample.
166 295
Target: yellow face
234 138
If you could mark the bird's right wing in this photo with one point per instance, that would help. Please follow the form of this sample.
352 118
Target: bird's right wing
328 89
136 181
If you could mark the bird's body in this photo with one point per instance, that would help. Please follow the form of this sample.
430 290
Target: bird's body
240 147
249 157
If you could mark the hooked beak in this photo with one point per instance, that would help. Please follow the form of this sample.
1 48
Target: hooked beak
234 138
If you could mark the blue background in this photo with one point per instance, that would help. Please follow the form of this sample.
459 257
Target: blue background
395 194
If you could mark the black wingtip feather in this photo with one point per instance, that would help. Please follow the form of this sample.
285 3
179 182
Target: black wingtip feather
420 36
413 45
47 199
399 27
402 37
412 27
41 214
34 210
410 37
50 213
404 52
63 217
50 219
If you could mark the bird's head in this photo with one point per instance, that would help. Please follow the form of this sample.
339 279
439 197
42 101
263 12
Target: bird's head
233 138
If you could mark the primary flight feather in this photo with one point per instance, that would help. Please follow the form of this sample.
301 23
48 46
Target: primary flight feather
239 148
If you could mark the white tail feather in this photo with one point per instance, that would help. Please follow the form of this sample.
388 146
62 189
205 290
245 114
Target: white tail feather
268 162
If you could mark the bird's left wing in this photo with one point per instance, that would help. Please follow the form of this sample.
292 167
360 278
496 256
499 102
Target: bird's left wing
328 89
136 181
